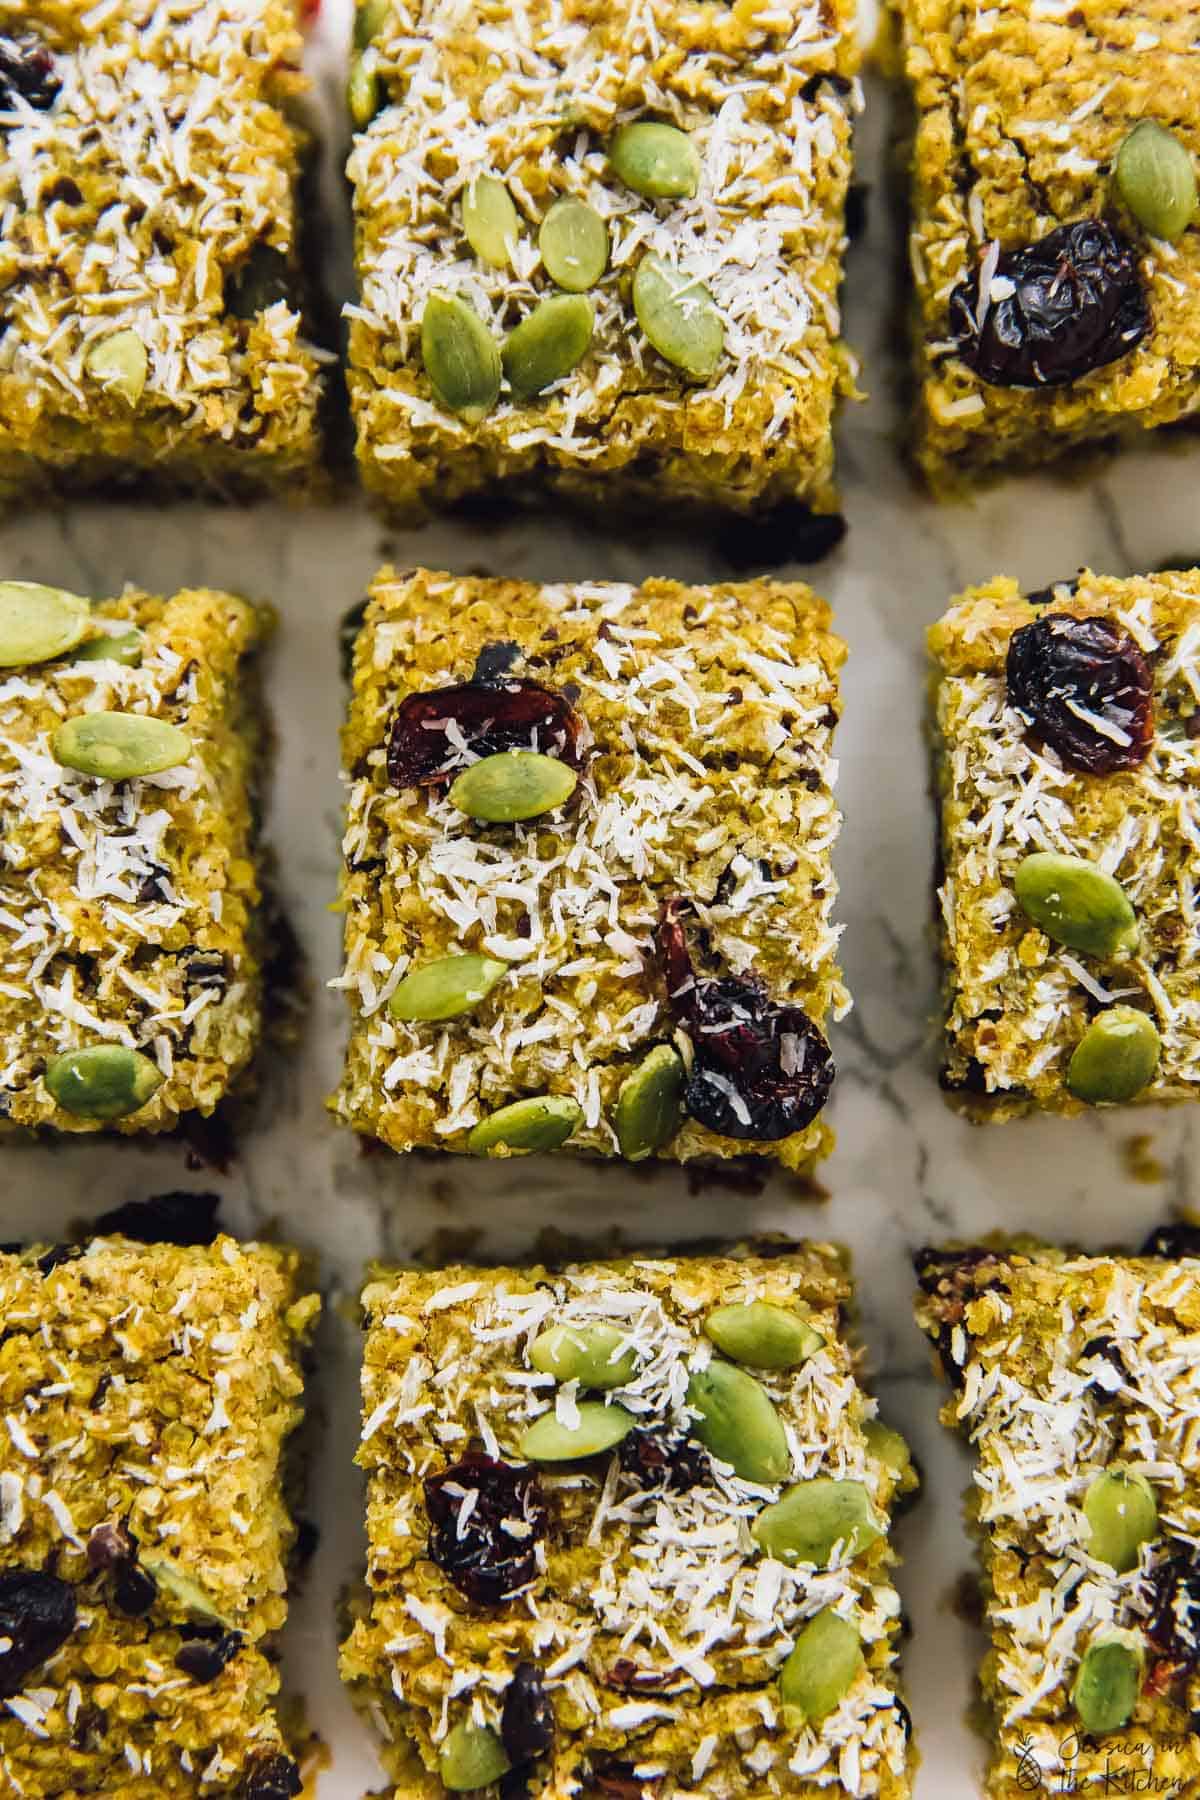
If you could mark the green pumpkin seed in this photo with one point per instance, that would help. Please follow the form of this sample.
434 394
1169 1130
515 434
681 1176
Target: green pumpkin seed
548 344
739 1424
460 357
600 1427
573 242
512 785
598 1356
1122 1512
541 1123
649 1104
823 1666
471 1756
447 988
1116 1057
888 1447
124 647
814 1517
1109 1681
657 161
679 317
364 90
765 1336
369 21
37 623
102 1081
185 1593
120 364
490 221
1156 178
1076 903
119 746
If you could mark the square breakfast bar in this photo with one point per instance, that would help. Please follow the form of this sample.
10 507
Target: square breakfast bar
587 885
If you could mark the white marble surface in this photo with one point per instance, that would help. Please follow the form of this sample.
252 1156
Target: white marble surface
905 1170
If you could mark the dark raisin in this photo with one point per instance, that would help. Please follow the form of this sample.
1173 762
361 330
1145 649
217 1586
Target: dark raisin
1084 689
203 1658
1073 302
760 1070
654 1460
527 1717
37 1616
134 1591
1173 1241
61 1253
1172 1597
489 717
263 278
27 70
109 1545
620 1781
494 662
789 532
625 1677
271 1776
174 1218
487 1562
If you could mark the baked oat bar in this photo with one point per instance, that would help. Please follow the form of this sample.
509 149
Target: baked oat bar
149 268
131 935
600 245
587 874
628 1533
1068 776
146 1393
1054 248
1075 1380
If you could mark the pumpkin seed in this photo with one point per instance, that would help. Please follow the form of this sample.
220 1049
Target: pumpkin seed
187 1594
679 317
738 1423
118 746
1109 1681
1076 903
1122 1512
369 21
601 1426
120 364
37 623
888 1447
490 221
541 1123
598 1356
765 1336
649 1106
364 90
814 1517
548 344
1116 1057
445 989
512 785
102 1081
823 1666
657 161
472 1756
573 242
1156 178
124 647
460 357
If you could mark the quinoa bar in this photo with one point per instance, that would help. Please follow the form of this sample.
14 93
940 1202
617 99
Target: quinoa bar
146 1394
1054 251
628 1533
1068 768
600 246
132 941
587 880
149 263
1075 1380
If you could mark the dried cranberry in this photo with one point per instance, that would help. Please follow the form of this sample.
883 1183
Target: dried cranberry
494 662
488 716
204 1657
1085 689
134 1591
174 1218
1071 303
27 69
37 1616
109 1545
527 1717
271 1776
655 1460
759 1070
487 1561
625 1677
1172 1594
1173 1241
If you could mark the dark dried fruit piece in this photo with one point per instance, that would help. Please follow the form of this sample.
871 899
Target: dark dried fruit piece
1084 689
655 1460
625 1677
1172 1594
109 1545
27 70
951 1278
527 1717
271 1776
174 1218
37 1616
428 730
1109 1372
488 1562
621 1782
204 1656
1173 1241
760 1070
134 1591
1066 305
